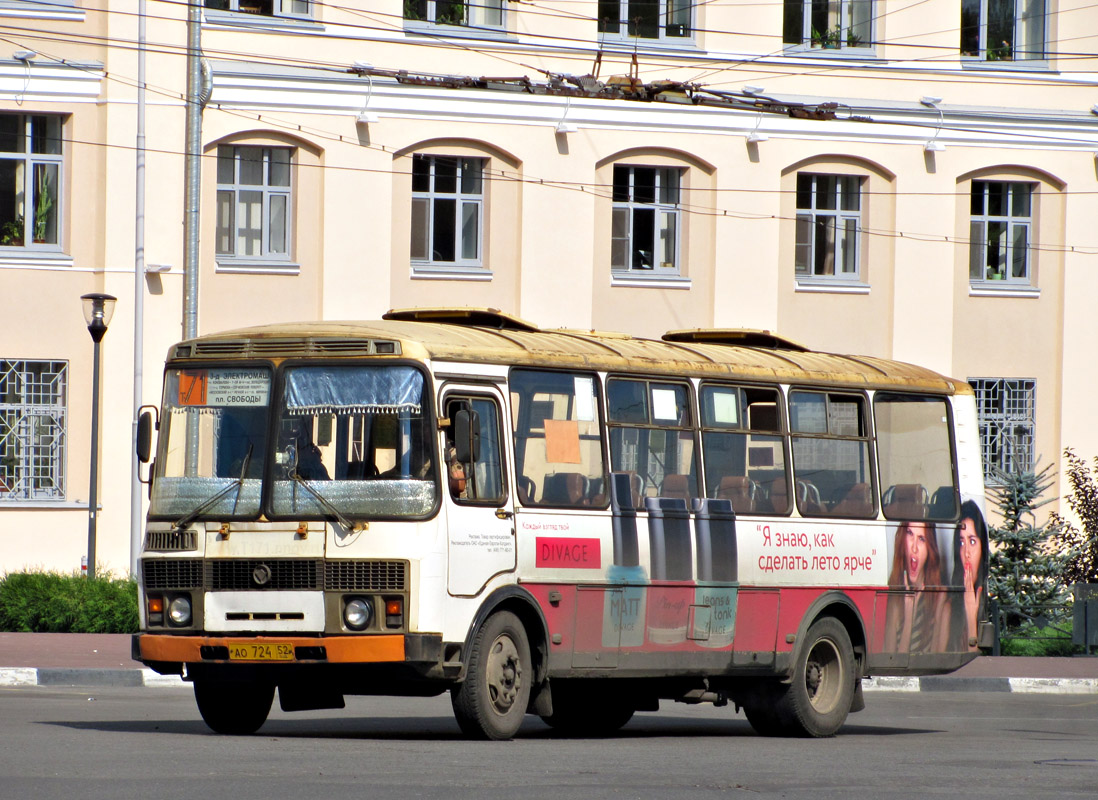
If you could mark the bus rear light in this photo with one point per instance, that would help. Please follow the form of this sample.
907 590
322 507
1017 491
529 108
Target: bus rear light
394 613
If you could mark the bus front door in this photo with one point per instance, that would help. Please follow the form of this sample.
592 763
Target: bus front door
479 507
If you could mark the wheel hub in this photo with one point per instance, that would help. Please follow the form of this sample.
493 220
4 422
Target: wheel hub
504 674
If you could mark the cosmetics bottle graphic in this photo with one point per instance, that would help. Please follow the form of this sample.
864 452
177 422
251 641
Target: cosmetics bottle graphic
624 610
672 569
715 544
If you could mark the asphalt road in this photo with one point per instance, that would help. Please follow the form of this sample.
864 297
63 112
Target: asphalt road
150 743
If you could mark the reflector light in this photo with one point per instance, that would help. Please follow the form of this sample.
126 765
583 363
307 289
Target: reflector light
156 605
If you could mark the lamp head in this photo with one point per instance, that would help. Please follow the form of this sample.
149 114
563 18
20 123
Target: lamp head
98 310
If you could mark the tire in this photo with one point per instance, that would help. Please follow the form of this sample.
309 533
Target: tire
584 710
818 699
234 708
492 700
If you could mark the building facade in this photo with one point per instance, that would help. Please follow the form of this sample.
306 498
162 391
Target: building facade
912 180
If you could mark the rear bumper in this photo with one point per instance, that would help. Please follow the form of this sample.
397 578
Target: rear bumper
162 651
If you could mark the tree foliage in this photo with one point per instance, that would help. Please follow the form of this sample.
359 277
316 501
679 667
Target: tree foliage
1026 567
1079 545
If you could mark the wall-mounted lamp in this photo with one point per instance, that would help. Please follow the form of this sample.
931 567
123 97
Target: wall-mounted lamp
365 116
930 100
156 269
566 127
1094 109
24 55
934 146
753 90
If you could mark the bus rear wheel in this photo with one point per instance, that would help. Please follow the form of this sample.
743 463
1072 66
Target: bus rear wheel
491 702
819 697
235 708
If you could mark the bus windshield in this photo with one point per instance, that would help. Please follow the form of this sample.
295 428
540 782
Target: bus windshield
353 441
214 436
349 442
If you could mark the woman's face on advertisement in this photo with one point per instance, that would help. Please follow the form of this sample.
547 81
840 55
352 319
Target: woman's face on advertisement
971 549
916 547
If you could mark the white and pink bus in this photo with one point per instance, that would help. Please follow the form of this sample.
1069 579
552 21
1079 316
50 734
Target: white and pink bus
571 524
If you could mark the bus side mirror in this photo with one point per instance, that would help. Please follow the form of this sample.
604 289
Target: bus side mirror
144 437
467 435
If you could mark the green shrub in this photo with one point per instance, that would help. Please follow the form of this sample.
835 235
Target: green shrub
48 602
1029 640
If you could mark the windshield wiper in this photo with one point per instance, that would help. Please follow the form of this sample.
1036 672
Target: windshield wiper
327 504
238 484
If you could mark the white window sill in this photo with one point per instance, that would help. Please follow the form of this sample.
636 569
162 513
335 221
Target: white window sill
1001 289
629 44
433 273
831 286
856 53
42 505
639 280
31 10
415 27
34 259
244 267
1035 65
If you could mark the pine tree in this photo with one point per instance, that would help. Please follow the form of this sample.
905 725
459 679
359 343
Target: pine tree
1026 567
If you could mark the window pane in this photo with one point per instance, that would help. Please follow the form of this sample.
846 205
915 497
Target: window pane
251 166
421 174
850 247
12 134
669 186
644 184
1031 31
226 163
450 12
280 167
976 250
1019 199
12 224
415 9
443 235
913 449
609 12
621 184
678 17
668 238
278 224
1020 252
996 199
45 203
471 173
46 135
825 246
979 189
225 224
804 190
644 21
850 186
970 27
627 401
493 12
1000 30
445 175
249 234
861 17
644 223
470 230
803 251
420 238
826 188
996 247
808 412
619 238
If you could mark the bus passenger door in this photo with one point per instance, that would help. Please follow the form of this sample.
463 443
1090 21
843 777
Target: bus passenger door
479 508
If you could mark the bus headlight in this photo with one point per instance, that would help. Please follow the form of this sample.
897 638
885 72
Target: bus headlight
179 611
357 612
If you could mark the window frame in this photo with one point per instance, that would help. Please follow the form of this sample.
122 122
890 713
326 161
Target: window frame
838 219
18 455
269 192
799 14
1004 54
251 9
999 452
979 248
474 12
627 206
623 29
431 197
32 164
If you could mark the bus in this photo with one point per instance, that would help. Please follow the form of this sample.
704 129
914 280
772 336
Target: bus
570 524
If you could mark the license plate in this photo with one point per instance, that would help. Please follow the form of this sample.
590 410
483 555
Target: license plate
261 651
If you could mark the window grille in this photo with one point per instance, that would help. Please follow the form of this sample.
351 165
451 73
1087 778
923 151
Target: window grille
33 426
1006 409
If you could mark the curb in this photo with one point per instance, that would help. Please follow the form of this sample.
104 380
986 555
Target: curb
941 683
64 676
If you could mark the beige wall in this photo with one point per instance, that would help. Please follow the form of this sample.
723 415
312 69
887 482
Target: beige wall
546 251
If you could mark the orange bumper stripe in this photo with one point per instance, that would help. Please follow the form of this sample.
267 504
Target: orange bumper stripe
340 649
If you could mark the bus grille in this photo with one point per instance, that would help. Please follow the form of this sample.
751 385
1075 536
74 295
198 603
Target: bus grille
169 541
365 576
172 574
238 574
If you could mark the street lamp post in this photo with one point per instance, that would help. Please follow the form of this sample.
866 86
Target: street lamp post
98 309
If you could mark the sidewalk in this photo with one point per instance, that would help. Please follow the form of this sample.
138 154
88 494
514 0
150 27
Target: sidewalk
95 659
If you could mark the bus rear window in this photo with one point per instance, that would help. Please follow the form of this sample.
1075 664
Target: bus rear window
915 456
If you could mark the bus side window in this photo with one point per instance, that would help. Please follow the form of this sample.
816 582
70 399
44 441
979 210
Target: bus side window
830 438
558 439
744 449
915 451
479 478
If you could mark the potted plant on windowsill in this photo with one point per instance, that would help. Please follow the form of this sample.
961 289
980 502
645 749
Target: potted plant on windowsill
994 276
42 207
11 233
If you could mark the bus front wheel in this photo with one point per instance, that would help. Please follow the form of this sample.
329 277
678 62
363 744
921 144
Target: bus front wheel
233 707
491 702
